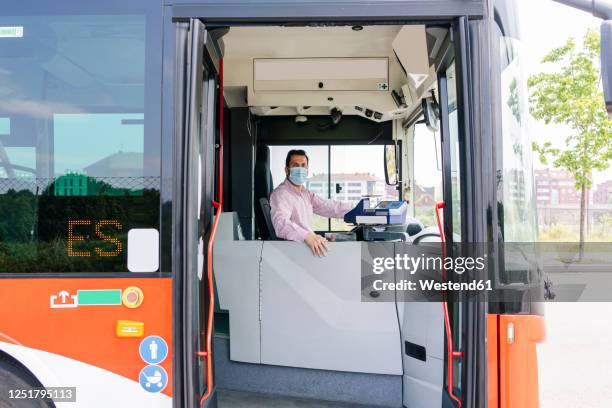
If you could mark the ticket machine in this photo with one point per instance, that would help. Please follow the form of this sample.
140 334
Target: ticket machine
384 222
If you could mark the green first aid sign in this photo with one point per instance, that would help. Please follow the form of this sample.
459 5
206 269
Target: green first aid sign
11 32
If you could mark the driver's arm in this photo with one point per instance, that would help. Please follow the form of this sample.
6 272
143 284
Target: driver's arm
329 208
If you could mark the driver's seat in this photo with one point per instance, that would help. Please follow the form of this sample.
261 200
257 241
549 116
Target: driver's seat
267 232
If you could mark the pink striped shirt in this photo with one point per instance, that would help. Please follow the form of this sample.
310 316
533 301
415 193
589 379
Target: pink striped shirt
292 209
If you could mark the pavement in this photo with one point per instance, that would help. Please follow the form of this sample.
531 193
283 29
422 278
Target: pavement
239 399
575 361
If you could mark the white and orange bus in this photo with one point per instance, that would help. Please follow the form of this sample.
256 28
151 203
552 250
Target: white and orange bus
139 141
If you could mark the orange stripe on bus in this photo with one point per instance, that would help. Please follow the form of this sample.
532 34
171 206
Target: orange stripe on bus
87 333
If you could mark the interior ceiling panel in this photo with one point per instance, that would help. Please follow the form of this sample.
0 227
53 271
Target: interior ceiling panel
302 42
244 44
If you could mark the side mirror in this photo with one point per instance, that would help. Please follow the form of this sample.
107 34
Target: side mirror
391 176
431 112
606 62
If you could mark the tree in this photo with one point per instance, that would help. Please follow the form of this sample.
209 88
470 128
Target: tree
571 95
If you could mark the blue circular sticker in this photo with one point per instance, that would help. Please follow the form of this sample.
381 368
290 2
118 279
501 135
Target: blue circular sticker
153 349
153 378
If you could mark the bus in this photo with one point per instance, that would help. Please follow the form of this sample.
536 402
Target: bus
139 143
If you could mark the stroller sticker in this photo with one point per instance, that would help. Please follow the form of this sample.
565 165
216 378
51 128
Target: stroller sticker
153 378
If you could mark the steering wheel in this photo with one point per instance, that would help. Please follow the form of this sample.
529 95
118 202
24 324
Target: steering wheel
426 235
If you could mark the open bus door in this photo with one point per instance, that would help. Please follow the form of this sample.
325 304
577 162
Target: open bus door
462 115
450 221
199 74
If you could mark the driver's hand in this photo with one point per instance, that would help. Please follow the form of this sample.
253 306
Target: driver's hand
331 237
317 244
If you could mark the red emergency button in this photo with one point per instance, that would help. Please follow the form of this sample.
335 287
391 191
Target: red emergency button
132 297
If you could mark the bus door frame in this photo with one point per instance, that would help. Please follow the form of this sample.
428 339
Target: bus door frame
197 76
244 12
468 50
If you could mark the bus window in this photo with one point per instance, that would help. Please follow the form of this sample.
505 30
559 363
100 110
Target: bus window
515 188
427 174
453 124
358 171
343 173
79 160
318 174
519 205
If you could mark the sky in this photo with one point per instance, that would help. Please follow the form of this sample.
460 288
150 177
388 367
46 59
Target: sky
540 35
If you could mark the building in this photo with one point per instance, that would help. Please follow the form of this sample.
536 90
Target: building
71 184
347 187
558 201
117 165
555 187
117 174
424 196
603 193
516 185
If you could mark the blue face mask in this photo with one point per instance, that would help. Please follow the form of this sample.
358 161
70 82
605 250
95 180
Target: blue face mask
298 175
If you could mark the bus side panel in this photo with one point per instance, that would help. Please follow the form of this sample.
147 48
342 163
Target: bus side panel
64 331
492 361
518 360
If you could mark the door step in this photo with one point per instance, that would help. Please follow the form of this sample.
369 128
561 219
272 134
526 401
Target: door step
241 399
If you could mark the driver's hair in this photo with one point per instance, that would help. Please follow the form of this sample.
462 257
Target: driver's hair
295 152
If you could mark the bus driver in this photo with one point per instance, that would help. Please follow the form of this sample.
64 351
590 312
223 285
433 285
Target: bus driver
292 205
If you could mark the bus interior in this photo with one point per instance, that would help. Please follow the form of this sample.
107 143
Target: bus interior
290 326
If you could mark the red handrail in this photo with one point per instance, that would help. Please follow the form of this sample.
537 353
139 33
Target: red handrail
218 205
449 334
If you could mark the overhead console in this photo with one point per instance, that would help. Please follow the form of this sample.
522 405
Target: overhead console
376 72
